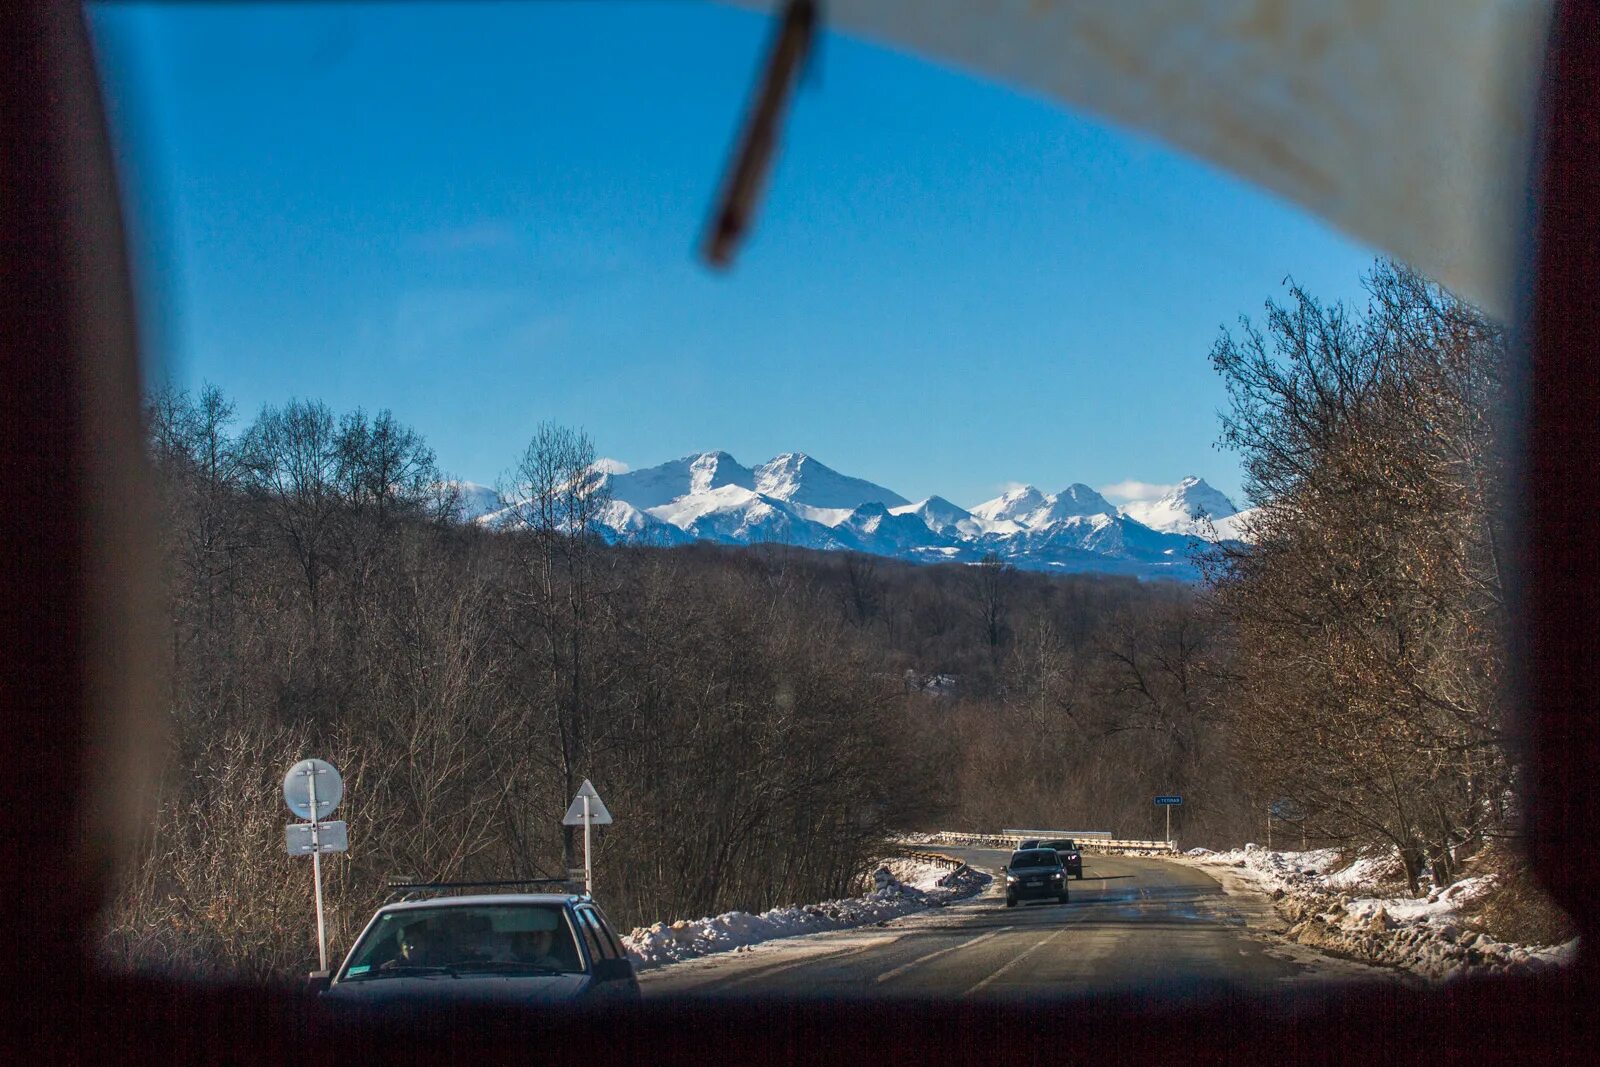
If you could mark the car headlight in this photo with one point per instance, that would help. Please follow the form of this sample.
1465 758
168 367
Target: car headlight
1010 878
1055 874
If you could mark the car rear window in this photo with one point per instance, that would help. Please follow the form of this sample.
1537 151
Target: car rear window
1039 857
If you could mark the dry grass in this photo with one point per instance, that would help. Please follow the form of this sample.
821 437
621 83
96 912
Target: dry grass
1517 909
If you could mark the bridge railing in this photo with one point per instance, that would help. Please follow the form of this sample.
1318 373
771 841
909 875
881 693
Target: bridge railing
1006 839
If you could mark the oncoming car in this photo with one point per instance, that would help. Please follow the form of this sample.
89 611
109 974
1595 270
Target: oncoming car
1035 874
1071 856
534 948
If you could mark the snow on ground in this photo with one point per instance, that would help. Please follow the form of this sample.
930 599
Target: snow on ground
1355 910
909 885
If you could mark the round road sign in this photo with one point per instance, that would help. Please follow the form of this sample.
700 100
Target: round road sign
297 788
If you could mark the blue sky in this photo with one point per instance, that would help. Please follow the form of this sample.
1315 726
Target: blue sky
486 216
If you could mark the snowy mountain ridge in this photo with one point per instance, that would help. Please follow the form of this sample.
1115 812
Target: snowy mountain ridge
796 499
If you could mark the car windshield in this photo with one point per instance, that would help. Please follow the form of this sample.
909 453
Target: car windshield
1042 857
1009 444
531 939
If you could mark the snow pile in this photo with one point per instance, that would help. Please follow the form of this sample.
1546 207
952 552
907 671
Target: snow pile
908 885
1355 911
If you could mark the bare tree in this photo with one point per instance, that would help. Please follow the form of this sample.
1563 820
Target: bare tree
556 498
1369 614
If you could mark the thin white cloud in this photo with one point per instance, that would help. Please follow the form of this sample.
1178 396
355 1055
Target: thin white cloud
1130 491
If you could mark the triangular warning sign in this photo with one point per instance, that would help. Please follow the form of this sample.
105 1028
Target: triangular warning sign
598 815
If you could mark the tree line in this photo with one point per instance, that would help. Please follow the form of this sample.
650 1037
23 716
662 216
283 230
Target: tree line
759 719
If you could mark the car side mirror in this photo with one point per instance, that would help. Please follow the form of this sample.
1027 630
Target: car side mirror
613 970
318 982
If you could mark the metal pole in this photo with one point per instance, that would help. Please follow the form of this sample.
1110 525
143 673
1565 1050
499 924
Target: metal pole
1269 829
316 875
588 871
1169 822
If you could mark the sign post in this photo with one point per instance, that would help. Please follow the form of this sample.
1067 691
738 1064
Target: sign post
312 789
1169 802
588 810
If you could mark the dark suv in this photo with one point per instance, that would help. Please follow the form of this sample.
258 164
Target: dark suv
1071 858
1035 874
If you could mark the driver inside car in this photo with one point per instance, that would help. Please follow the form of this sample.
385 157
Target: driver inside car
534 947
418 948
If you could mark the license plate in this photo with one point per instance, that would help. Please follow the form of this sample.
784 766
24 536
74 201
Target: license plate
1035 881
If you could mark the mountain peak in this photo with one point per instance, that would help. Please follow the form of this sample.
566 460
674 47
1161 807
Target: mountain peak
1199 499
1028 507
1011 505
1191 507
1079 499
802 479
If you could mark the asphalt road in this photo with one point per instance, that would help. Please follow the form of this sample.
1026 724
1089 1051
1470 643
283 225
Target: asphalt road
1131 924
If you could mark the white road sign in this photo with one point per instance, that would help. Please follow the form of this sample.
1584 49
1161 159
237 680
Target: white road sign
312 789
588 811
299 788
331 837
596 808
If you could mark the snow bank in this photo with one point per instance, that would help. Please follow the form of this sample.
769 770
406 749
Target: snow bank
1354 911
908 886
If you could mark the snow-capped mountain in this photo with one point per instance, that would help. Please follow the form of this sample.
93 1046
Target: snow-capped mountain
1191 507
473 500
678 478
1236 527
799 479
1029 508
795 499
1011 505
941 516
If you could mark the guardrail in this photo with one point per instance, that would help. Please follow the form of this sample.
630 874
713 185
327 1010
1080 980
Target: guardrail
1008 840
932 857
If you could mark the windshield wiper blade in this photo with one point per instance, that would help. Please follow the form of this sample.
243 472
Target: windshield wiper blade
500 966
748 170
405 971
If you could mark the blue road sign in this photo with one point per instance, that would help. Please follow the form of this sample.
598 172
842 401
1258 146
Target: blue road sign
1169 800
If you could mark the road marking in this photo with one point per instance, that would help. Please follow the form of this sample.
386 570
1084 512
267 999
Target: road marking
1024 954
758 973
904 967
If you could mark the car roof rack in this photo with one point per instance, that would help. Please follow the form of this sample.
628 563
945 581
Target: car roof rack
409 888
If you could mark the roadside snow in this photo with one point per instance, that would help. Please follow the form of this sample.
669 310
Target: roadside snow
909 885
1352 911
